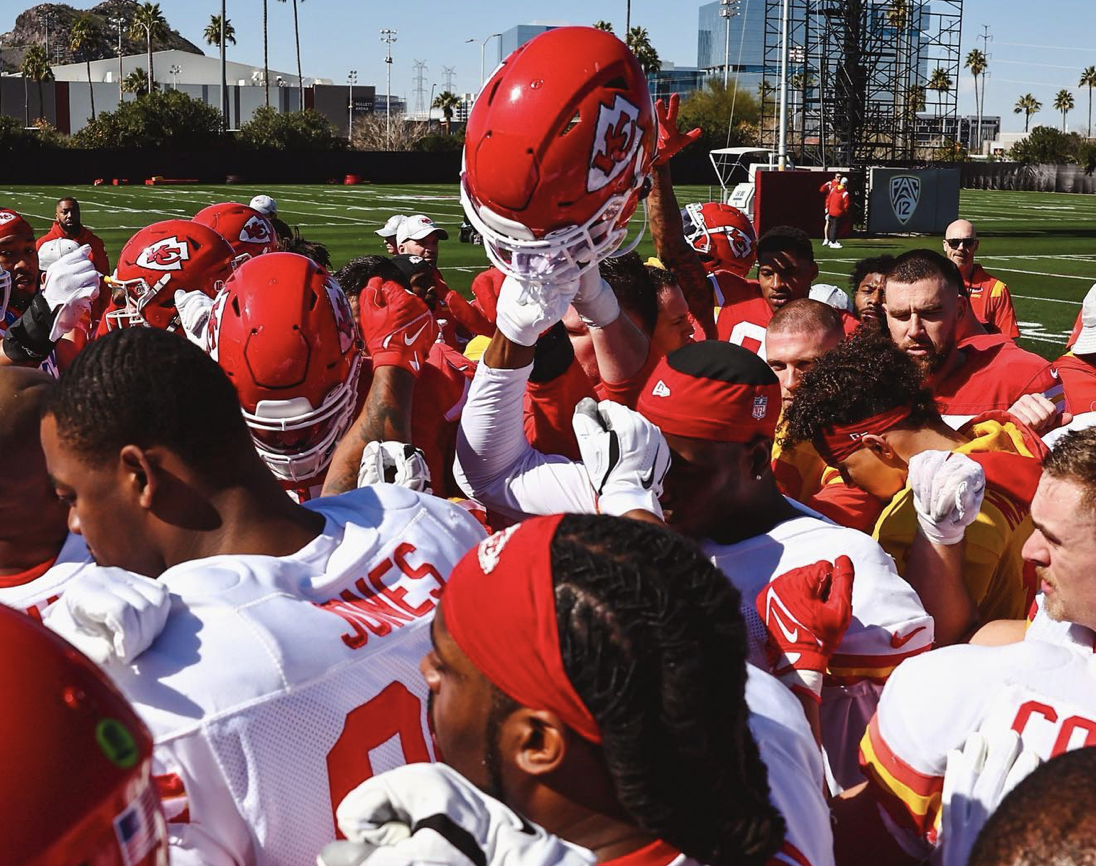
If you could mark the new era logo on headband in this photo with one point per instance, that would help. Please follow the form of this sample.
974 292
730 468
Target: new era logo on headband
661 389
760 407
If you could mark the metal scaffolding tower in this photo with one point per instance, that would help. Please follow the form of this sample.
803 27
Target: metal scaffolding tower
420 86
869 81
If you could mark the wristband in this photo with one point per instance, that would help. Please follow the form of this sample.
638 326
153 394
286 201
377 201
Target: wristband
553 355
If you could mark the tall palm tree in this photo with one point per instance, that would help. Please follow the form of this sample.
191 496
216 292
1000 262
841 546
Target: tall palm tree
297 38
976 63
448 102
640 42
82 38
940 81
212 34
35 66
1063 102
603 25
1088 79
266 59
1028 105
136 82
149 22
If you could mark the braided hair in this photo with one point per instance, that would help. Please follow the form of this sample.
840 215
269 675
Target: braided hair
652 640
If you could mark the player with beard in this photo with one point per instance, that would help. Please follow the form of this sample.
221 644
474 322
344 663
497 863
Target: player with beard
1041 687
310 619
990 301
864 407
67 224
869 276
925 307
646 753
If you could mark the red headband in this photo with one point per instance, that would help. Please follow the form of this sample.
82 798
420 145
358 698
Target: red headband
500 607
699 407
843 439
12 224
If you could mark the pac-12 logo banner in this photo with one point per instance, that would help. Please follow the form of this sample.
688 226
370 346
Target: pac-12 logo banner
615 141
164 255
905 192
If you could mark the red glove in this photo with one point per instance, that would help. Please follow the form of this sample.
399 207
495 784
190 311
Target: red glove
398 327
806 611
670 140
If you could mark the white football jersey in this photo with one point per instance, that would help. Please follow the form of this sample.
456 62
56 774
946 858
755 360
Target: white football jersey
34 595
889 623
1046 692
279 684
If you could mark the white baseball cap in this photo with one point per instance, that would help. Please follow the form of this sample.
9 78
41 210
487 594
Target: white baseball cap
832 295
265 205
844 181
1086 340
417 227
392 226
51 251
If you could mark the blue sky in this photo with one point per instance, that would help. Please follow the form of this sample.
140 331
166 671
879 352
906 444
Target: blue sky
1037 46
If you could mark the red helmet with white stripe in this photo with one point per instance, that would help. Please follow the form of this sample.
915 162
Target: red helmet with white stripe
557 153
249 232
77 785
724 237
161 259
283 331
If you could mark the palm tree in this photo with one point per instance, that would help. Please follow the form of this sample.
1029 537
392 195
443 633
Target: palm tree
136 82
448 102
297 37
1088 79
82 38
1063 102
212 33
940 81
35 66
640 43
148 21
976 63
898 16
1029 105
603 25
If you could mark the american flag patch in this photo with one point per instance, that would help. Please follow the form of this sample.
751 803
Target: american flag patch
136 827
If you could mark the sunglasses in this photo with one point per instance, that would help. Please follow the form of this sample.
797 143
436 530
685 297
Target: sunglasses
955 243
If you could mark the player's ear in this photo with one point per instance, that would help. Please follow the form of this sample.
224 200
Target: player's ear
814 271
137 474
536 740
878 446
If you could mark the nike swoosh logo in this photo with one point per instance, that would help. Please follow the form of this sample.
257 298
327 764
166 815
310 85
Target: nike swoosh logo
899 642
408 340
649 479
771 616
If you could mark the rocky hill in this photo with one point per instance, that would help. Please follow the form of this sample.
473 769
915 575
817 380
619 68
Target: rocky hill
30 29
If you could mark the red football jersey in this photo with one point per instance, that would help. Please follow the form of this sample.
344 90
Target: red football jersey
991 303
1078 380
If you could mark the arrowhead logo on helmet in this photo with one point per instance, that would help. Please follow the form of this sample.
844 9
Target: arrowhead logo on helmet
167 254
615 142
255 231
344 318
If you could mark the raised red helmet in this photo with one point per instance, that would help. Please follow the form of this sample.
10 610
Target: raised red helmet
77 785
161 259
249 232
558 152
724 237
283 331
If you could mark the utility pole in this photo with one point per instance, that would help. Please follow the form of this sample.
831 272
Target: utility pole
449 72
420 84
47 17
388 36
782 146
728 9
986 39
352 78
175 70
430 110
118 22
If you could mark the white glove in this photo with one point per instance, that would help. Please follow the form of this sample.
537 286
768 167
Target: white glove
194 308
110 614
429 813
975 782
947 494
595 302
624 454
394 463
525 310
72 283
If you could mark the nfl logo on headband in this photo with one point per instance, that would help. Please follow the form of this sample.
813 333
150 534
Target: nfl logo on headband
760 407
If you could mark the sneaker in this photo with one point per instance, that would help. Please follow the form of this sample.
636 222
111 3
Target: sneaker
835 246
825 242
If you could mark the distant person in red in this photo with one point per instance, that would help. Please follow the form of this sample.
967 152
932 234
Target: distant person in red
837 209
989 297
1077 368
825 189
68 225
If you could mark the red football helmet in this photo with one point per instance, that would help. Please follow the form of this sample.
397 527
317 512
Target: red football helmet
724 237
161 259
283 331
77 784
247 231
558 152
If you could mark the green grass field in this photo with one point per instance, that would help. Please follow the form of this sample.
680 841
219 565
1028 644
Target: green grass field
1042 244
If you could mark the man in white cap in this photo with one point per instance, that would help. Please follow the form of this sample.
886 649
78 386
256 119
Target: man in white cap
52 250
419 235
387 233
1077 368
265 205
837 208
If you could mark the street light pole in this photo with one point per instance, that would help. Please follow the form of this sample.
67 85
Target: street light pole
782 148
728 9
430 107
388 36
483 51
175 70
224 73
352 78
118 22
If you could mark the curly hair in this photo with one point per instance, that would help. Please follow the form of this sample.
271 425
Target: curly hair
1074 459
873 265
652 640
353 276
863 376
